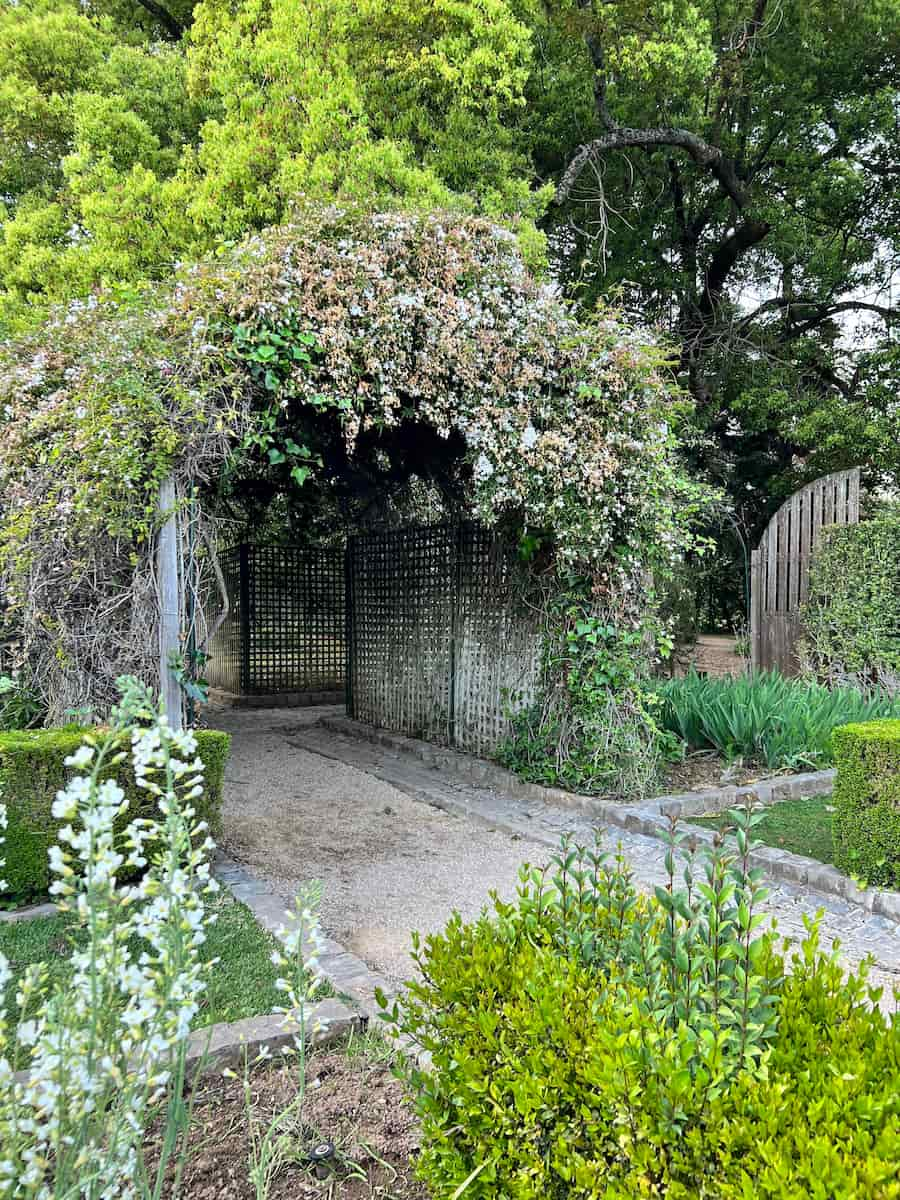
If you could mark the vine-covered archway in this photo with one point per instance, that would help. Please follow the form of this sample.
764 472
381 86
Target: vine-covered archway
325 362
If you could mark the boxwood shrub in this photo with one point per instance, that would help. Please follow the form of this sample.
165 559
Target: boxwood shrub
852 616
33 770
585 1042
866 823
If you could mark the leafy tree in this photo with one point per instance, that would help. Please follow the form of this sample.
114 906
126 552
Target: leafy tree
133 145
89 110
730 168
726 168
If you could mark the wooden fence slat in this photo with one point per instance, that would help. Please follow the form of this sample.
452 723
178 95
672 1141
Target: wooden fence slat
793 563
803 504
828 504
780 565
755 609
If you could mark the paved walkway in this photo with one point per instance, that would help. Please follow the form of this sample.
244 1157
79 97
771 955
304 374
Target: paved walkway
444 845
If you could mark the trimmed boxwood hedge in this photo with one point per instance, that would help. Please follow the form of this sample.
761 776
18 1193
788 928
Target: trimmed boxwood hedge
866 821
32 771
852 617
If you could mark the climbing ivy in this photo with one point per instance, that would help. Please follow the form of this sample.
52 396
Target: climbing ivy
352 328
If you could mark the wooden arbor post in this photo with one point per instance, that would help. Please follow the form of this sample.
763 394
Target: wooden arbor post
169 602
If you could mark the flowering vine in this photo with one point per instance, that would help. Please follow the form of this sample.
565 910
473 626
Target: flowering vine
308 348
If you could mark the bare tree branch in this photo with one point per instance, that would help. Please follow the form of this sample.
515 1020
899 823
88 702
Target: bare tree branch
822 310
624 137
173 28
598 60
746 235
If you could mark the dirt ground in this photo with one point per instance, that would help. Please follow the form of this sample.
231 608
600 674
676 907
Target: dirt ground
704 770
352 1102
388 864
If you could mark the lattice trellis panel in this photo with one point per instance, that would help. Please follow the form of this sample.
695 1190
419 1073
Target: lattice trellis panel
442 643
223 670
497 641
286 631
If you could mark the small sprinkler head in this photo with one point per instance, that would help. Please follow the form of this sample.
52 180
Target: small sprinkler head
320 1156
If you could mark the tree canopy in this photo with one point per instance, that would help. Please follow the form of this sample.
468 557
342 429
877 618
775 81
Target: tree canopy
724 168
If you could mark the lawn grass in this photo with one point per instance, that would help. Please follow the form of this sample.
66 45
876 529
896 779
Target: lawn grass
241 984
800 826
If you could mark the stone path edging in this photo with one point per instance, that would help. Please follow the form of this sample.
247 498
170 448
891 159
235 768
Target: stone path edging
652 818
30 912
277 700
231 1044
347 974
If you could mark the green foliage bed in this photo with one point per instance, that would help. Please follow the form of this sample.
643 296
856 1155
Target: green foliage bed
33 770
764 717
589 1044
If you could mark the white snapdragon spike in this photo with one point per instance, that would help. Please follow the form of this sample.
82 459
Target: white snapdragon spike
296 956
103 1049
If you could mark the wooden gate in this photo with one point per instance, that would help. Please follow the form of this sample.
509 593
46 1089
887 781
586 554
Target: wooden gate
779 581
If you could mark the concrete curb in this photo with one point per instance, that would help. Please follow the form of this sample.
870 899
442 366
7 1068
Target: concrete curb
29 913
656 817
230 1045
348 975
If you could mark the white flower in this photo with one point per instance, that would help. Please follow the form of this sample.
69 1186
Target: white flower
82 756
484 468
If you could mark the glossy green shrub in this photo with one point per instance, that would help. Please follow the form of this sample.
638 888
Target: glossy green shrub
764 717
587 1043
851 619
33 770
866 823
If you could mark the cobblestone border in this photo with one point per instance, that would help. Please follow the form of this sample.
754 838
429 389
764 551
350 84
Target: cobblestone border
653 818
349 975
30 912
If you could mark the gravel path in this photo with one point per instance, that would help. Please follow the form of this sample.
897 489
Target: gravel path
390 862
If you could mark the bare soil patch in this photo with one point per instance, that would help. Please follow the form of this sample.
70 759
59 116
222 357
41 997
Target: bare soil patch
699 771
352 1102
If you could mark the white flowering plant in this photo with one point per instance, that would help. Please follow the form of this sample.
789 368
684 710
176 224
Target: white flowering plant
296 956
106 1053
345 353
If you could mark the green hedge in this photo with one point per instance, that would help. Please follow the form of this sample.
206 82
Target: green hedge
32 771
866 821
550 1077
852 617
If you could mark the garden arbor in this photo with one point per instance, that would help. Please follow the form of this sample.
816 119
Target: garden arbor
314 368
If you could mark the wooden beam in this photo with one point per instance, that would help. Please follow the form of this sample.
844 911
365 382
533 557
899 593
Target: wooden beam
169 602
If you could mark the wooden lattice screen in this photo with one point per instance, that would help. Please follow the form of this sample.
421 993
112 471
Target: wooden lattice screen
443 640
286 628
779 583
